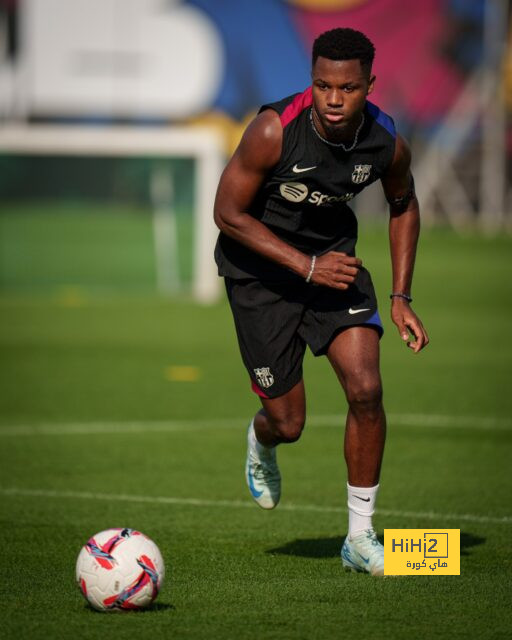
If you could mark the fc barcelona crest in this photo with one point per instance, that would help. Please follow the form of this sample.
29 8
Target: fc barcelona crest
361 173
265 378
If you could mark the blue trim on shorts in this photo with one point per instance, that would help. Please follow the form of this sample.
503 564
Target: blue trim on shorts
377 323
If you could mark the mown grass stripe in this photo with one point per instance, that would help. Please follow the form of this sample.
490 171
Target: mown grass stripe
105 427
199 502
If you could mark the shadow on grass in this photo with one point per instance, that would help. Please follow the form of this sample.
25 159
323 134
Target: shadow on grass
468 540
155 607
331 547
311 548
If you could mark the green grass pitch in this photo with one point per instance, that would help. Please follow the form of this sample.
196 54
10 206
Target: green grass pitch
99 428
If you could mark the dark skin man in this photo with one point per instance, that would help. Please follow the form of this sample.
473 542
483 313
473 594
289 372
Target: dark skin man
340 88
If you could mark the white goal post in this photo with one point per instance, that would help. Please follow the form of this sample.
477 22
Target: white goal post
202 144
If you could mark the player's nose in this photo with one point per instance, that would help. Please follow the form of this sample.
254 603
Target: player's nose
335 98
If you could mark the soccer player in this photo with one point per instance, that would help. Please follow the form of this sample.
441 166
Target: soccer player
287 253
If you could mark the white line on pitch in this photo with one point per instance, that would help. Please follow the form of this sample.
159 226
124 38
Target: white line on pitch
106 427
198 502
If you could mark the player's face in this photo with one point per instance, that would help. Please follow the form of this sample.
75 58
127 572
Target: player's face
340 88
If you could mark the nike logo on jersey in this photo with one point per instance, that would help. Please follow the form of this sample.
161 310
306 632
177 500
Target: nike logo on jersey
352 311
297 170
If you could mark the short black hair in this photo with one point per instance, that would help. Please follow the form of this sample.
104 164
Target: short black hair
344 44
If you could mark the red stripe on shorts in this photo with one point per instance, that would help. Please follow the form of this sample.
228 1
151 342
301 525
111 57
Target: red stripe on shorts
257 390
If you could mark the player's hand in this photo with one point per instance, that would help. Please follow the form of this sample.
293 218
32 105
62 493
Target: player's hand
408 325
335 269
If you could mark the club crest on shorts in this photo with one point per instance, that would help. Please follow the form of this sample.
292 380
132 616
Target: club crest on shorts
265 378
361 173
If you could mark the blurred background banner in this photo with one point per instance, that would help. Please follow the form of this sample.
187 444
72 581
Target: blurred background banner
176 59
443 72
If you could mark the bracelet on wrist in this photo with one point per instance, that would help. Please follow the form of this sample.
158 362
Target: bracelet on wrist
401 295
311 269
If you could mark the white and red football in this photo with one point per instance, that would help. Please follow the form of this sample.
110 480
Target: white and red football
120 569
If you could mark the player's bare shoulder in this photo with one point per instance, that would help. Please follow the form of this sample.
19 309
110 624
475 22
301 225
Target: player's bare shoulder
256 155
401 162
261 144
398 183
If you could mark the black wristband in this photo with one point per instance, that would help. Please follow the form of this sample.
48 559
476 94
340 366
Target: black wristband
401 295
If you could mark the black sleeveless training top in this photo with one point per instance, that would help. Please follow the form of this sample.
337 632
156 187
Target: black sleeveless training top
303 200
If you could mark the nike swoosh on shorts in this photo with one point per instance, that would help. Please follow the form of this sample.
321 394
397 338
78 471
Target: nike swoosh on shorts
353 311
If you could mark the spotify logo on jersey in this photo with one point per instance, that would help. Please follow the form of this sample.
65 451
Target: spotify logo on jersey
294 191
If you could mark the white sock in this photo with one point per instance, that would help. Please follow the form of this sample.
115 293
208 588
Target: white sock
255 443
361 506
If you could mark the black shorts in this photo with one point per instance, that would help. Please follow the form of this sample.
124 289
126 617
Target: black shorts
275 321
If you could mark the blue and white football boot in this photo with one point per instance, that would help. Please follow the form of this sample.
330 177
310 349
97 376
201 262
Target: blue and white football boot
262 473
364 553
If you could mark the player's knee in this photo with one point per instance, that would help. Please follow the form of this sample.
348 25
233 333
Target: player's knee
365 396
288 428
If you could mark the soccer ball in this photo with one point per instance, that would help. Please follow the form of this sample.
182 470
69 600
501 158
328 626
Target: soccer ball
120 569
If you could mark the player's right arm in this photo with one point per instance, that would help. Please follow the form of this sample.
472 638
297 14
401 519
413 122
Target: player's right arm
258 152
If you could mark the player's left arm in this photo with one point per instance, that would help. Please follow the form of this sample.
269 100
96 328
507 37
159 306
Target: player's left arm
404 229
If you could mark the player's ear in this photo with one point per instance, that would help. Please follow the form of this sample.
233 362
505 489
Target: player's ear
371 84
